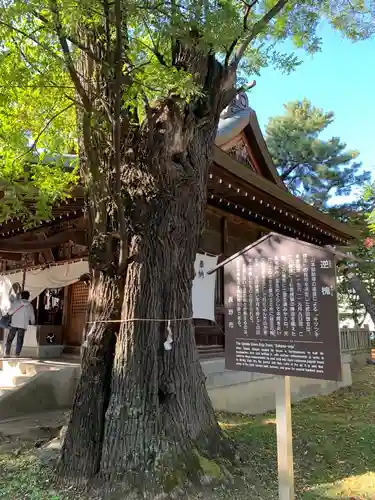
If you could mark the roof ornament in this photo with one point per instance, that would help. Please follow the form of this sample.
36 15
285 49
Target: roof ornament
239 103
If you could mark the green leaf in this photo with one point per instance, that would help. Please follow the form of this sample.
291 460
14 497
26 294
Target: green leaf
38 95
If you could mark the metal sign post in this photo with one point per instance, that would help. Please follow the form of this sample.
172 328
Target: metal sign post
284 438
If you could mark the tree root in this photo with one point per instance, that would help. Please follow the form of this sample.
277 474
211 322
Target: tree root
174 474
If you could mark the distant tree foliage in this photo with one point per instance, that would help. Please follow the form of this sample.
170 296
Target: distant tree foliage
369 198
312 168
362 249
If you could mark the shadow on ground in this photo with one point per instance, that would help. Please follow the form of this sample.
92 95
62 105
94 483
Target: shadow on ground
333 440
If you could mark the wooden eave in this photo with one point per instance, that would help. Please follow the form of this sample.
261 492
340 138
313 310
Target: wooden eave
275 203
233 188
64 211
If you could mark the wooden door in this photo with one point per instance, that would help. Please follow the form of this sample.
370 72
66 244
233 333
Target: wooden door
76 314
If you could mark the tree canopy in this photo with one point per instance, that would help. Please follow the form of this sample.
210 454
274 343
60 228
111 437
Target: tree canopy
41 45
312 168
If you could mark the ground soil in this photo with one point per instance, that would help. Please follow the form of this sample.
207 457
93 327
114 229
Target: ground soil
334 438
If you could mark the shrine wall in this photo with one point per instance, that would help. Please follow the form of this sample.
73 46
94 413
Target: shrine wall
224 235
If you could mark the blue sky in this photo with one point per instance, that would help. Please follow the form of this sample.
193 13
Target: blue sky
340 78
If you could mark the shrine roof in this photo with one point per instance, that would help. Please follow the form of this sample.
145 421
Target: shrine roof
271 192
239 118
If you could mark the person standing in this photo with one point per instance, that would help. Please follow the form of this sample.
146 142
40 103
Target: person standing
22 315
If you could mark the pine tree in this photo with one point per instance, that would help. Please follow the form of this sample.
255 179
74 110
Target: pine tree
312 168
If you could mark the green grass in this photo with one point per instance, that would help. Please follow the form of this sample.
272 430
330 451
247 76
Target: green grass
334 441
23 478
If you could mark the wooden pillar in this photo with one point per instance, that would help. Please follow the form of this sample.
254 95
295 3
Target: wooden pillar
66 312
220 272
23 280
224 247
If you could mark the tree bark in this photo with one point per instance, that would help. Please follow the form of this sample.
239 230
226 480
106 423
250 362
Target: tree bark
145 414
81 453
159 404
148 416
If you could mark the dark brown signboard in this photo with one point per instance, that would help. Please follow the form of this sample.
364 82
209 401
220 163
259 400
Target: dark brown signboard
281 310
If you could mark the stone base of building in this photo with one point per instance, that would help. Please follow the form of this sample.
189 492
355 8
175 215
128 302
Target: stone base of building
254 393
36 352
237 392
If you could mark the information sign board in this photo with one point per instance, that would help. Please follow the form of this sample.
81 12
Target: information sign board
281 309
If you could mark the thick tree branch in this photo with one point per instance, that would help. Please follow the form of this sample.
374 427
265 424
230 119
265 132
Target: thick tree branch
68 57
70 38
117 130
229 52
257 28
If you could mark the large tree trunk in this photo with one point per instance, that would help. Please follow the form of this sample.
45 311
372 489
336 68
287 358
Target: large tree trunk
149 417
159 412
145 413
